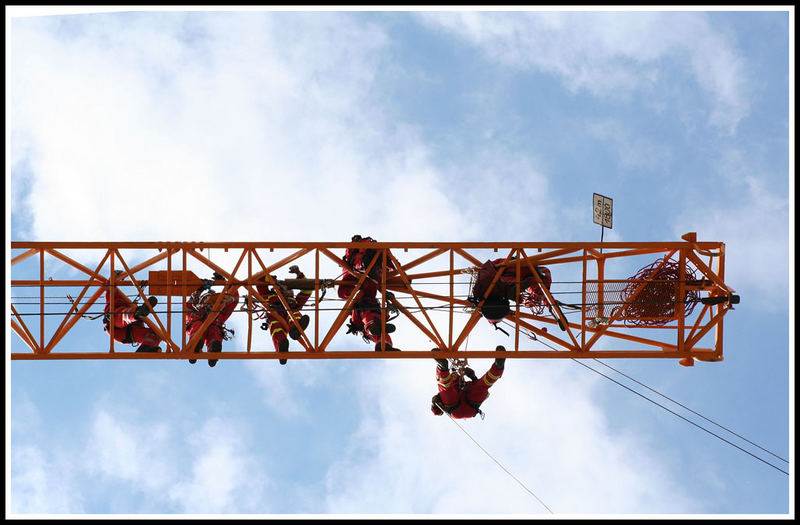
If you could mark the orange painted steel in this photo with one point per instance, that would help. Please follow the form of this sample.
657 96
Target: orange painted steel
429 303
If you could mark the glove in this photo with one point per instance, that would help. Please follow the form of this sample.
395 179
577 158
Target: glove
470 373
207 283
218 277
295 270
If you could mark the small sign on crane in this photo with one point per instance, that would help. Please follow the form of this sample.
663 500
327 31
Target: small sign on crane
603 212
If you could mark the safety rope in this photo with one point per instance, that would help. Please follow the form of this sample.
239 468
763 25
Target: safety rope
529 491
672 411
534 338
692 411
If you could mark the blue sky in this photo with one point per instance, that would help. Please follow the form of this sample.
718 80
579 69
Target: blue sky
406 126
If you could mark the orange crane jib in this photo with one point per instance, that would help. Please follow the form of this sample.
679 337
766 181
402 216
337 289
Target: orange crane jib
589 305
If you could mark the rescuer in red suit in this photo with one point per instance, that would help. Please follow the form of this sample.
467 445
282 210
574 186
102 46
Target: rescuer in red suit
276 312
127 318
496 306
460 398
197 308
365 319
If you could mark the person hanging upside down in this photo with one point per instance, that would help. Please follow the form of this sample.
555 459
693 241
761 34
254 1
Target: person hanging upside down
365 319
198 307
459 398
127 319
277 316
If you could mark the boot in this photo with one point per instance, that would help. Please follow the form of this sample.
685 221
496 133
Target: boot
294 333
375 328
442 363
198 349
283 346
143 310
148 348
216 346
500 362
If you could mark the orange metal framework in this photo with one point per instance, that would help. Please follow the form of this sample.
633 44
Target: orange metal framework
414 299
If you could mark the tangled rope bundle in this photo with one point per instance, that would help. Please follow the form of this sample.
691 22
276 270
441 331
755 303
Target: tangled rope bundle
654 305
534 301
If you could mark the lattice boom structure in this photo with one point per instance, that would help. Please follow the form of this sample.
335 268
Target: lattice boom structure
57 297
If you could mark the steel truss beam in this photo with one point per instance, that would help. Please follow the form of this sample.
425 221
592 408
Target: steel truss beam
426 287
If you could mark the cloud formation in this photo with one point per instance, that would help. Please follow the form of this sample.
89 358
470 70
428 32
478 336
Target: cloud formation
612 54
754 225
542 424
155 114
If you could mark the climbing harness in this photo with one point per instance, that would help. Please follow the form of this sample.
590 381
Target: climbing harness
260 312
460 367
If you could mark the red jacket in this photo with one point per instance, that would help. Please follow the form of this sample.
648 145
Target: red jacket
196 312
506 284
120 299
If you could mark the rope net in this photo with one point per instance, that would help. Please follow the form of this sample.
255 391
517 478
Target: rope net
650 296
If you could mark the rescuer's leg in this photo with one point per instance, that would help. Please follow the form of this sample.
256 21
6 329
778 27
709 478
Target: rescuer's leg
197 349
122 334
480 388
279 338
302 320
144 335
215 346
283 346
447 383
193 325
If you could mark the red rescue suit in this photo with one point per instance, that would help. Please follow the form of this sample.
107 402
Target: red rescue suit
276 312
506 286
464 402
196 311
366 307
127 329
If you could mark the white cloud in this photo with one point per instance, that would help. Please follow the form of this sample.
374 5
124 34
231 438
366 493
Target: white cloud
133 453
542 424
144 456
277 384
39 475
164 144
40 482
755 228
612 53
222 478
